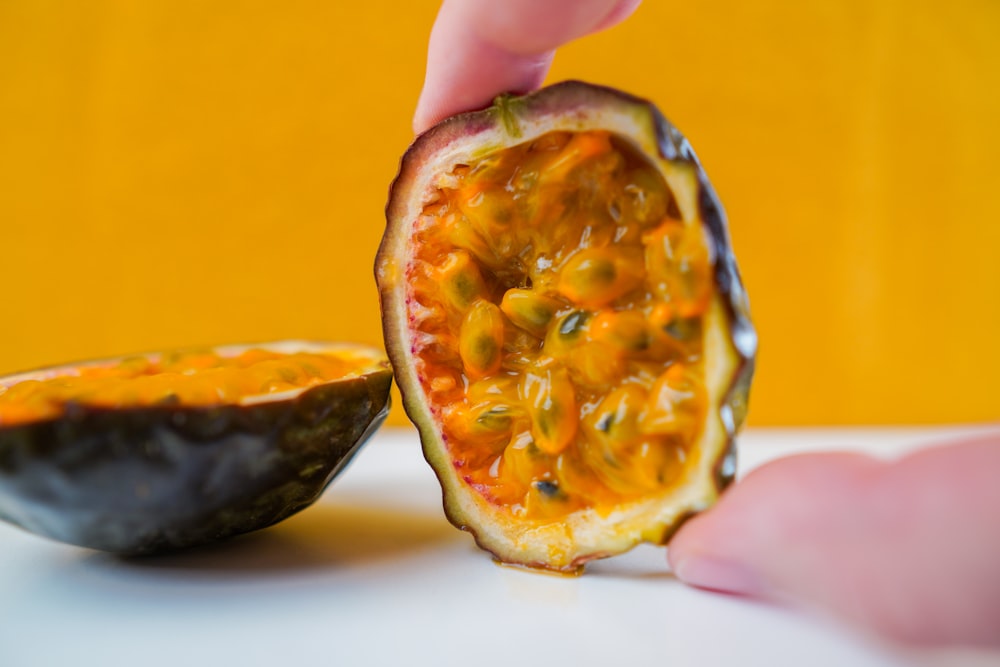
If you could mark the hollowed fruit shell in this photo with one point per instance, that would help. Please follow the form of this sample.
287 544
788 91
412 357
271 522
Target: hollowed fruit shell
566 322
162 451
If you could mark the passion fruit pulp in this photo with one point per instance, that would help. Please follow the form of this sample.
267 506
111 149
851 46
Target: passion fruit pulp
169 450
567 323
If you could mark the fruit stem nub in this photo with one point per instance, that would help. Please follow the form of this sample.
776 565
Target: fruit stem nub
503 105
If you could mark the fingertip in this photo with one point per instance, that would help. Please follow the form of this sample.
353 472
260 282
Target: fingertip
902 549
716 574
453 87
479 49
751 542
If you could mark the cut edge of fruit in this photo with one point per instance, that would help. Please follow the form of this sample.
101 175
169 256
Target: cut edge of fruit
372 361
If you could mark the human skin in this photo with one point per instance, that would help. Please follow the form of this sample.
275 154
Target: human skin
481 48
908 550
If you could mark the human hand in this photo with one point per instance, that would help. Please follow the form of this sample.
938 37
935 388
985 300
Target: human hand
481 48
908 549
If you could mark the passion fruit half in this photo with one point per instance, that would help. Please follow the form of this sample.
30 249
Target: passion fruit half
162 451
566 322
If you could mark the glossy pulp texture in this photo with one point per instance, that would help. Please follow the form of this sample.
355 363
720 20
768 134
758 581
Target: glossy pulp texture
557 302
188 377
566 542
140 480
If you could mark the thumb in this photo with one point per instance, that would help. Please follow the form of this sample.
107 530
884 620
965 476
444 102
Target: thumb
905 549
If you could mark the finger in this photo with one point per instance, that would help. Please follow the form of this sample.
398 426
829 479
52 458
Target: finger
908 549
481 48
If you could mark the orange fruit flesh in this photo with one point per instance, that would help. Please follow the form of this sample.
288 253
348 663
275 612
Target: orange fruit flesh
555 303
195 378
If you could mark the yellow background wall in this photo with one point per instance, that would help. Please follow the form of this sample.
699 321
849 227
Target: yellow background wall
177 172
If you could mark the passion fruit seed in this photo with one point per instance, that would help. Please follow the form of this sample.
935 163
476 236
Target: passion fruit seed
528 310
616 419
594 278
628 331
675 404
551 400
566 333
645 201
459 232
488 422
492 389
596 365
461 281
581 147
481 339
678 268
522 462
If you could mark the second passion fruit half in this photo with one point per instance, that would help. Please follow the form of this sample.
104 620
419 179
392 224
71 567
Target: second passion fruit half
566 322
161 451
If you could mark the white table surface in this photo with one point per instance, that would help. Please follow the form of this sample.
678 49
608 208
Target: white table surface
374 575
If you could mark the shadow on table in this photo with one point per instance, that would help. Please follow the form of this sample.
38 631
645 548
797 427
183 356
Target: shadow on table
324 536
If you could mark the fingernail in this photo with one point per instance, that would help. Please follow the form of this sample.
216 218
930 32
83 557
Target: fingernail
718 575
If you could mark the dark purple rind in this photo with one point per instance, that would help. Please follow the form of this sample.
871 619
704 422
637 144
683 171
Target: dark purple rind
564 98
146 480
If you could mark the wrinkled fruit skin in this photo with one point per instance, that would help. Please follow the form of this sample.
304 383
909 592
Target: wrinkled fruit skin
571 106
146 480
